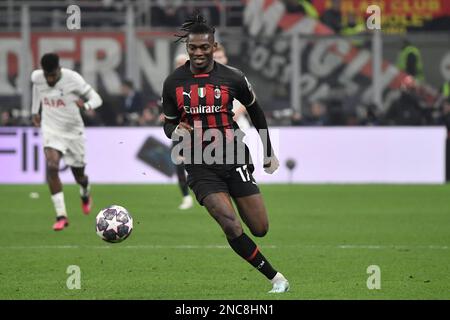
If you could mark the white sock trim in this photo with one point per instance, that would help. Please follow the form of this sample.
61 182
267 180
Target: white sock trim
277 277
59 204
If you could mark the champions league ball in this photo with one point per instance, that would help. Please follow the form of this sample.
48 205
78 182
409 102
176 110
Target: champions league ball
114 224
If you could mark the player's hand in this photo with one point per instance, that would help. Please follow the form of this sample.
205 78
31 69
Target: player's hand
80 103
183 129
271 164
36 119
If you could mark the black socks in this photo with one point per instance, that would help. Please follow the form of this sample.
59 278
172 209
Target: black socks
247 249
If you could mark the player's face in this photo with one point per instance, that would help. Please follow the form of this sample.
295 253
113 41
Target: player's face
200 48
52 77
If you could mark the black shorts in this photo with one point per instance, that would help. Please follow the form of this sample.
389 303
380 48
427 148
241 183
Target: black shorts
236 180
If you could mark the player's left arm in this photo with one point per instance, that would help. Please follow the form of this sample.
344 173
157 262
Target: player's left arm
258 118
89 98
92 100
247 97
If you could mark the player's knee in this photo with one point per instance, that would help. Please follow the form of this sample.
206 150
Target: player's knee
232 231
80 179
260 231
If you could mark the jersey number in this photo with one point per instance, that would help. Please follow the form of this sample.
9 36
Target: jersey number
245 175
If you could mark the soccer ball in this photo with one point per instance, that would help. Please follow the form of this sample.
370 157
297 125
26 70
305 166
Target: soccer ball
114 224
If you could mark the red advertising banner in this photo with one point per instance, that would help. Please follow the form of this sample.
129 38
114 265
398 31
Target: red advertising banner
396 15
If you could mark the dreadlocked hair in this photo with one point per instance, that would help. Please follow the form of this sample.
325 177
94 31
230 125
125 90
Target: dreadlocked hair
194 25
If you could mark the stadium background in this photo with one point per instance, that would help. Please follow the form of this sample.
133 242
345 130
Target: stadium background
336 101
346 75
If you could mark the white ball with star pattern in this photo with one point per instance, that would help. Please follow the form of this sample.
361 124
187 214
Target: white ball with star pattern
114 224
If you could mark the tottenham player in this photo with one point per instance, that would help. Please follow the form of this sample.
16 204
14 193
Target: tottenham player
58 96
196 97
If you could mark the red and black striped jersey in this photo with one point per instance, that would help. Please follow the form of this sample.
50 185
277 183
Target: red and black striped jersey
205 99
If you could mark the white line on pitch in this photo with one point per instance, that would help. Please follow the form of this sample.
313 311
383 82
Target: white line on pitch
400 247
125 247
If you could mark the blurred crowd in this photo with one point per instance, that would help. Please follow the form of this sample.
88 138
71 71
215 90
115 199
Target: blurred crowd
169 13
406 109
105 14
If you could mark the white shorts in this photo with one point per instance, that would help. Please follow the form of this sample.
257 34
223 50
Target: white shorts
72 149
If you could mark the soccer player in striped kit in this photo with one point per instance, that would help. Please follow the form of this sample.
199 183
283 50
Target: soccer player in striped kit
199 96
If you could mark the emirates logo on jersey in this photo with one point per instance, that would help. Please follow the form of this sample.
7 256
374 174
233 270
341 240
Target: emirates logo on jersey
202 109
53 103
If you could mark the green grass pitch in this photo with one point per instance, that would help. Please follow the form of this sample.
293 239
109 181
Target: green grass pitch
321 237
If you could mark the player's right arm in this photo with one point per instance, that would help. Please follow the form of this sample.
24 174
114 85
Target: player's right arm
36 103
171 114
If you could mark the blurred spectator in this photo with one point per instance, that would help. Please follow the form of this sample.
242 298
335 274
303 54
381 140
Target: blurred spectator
445 111
332 16
370 118
7 119
445 118
210 12
296 119
150 115
351 119
410 61
167 13
91 118
303 6
406 110
173 15
234 14
354 28
317 115
132 105
214 12
180 60
445 90
99 14
335 112
109 110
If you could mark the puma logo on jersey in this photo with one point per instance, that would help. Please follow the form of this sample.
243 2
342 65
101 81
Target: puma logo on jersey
53 103
187 94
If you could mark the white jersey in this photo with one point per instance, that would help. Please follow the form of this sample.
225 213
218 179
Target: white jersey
60 114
